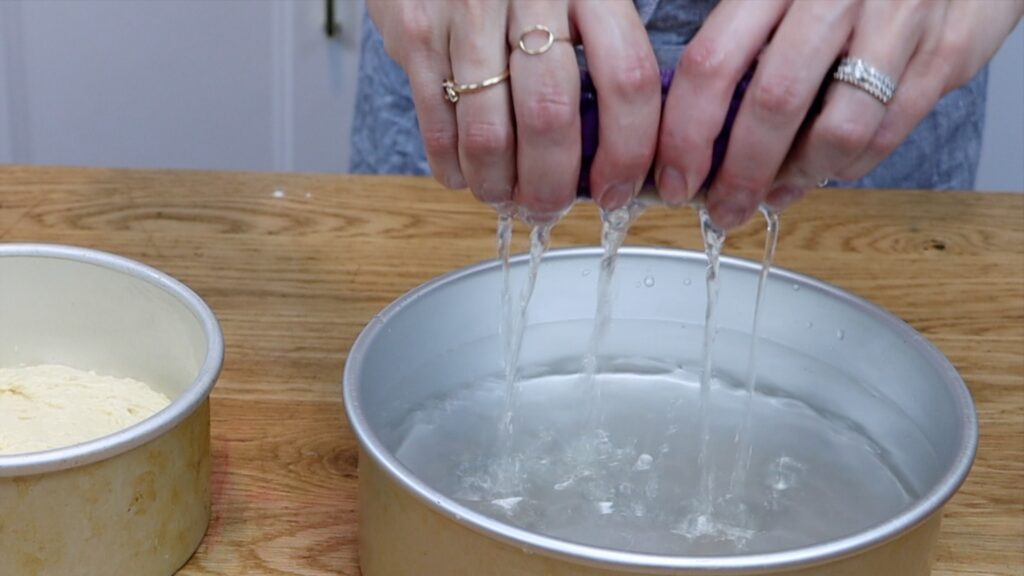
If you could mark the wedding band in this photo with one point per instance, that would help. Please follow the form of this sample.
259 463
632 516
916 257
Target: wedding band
548 42
859 73
452 89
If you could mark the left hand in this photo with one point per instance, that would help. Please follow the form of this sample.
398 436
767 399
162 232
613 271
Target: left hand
929 47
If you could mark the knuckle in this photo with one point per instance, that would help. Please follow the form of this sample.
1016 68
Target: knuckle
415 26
639 75
549 110
778 96
439 141
701 59
485 138
847 137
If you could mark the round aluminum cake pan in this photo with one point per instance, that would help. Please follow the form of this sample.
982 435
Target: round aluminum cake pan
136 501
408 528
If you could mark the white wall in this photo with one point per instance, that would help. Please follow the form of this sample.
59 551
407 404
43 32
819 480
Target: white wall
226 84
1002 154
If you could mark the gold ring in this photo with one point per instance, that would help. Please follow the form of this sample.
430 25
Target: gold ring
453 89
548 42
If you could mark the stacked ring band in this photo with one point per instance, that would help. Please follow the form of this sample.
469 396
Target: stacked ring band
452 89
859 73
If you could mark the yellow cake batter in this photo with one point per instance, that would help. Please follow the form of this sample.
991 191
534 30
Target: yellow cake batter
50 406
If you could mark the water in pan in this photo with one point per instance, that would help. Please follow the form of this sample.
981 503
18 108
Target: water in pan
634 483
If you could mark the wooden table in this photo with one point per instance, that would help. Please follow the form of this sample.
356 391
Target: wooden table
295 265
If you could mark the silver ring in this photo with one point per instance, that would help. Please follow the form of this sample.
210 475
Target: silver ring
859 73
824 182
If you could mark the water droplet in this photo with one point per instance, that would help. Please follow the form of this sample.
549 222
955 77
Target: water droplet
840 334
687 282
810 324
309 195
585 272
796 287
277 194
605 507
649 281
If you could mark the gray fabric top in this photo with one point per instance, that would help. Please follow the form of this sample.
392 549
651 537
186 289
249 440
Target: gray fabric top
941 153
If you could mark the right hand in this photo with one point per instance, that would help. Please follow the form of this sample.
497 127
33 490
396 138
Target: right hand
519 141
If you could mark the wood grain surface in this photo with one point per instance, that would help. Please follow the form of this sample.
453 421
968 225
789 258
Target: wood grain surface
295 265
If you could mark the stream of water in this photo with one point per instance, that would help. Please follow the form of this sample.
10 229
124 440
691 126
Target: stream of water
582 452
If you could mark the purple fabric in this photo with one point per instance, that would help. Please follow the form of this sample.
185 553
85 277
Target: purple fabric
590 127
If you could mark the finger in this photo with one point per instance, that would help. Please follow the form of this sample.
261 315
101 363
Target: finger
920 88
789 74
702 89
628 84
486 141
545 96
885 37
436 116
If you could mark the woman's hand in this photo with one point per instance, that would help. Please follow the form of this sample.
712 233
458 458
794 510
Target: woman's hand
929 47
519 140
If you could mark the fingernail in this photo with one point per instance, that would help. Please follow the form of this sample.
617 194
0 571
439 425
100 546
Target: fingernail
672 186
784 195
732 210
616 195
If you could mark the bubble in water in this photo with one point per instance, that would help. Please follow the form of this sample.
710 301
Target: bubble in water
840 334
643 462
687 282
784 473
796 287
639 510
567 483
507 505
585 272
605 507
810 324
649 281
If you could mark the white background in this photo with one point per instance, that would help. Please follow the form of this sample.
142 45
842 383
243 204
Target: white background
249 85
